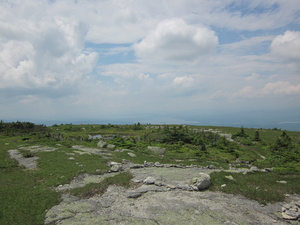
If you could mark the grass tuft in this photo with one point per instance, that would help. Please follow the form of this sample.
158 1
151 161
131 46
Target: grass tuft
262 187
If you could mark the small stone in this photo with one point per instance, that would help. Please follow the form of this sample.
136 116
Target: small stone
157 164
133 194
282 181
230 178
116 168
254 169
149 180
111 146
131 154
171 186
136 180
114 163
102 144
223 185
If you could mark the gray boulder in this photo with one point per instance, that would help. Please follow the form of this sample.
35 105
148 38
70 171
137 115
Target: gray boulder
149 180
201 182
116 168
102 144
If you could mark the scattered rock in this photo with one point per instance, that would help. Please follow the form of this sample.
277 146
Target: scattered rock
114 163
211 167
136 180
281 182
200 183
131 154
111 146
133 194
223 185
230 178
28 162
149 180
158 164
116 168
102 144
291 211
254 169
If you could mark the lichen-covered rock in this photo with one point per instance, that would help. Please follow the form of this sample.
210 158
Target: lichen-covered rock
111 146
116 168
131 154
149 180
291 211
102 144
201 182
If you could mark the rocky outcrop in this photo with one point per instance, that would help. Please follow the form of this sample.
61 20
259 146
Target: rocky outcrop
291 211
29 162
162 207
102 144
200 182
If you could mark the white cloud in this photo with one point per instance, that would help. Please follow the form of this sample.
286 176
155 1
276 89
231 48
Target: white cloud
184 81
175 40
287 45
281 88
40 51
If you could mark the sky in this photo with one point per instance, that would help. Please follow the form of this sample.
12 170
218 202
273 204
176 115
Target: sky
229 62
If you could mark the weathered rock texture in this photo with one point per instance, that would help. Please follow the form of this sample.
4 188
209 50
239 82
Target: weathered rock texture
173 207
164 196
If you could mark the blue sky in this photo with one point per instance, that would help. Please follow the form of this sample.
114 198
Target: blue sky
228 62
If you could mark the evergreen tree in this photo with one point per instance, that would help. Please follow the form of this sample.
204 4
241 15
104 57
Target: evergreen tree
256 136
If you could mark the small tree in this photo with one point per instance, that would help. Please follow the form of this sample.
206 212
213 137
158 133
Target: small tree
256 136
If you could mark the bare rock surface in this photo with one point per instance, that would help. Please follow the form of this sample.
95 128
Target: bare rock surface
28 162
167 199
172 207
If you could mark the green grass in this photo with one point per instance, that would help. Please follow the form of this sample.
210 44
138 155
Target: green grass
122 179
23 199
262 187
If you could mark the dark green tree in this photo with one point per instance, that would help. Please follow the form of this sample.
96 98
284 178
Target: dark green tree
256 136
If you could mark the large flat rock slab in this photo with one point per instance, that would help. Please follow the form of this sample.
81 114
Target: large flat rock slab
173 207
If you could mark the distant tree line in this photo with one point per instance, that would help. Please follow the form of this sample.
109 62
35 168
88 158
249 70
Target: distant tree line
20 128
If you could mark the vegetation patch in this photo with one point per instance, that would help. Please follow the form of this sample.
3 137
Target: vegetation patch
262 187
26 195
121 179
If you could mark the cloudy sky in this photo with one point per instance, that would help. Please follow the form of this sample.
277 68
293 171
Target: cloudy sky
158 61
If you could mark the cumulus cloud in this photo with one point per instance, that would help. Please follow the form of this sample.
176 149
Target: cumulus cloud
40 51
175 40
287 45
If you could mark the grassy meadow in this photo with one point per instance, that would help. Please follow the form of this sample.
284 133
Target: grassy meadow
26 195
